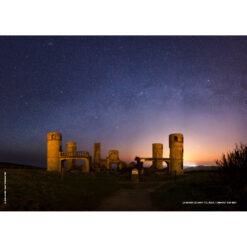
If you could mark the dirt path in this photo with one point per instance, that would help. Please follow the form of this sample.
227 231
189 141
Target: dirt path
135 199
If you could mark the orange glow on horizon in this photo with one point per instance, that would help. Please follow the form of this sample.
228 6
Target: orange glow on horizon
204 152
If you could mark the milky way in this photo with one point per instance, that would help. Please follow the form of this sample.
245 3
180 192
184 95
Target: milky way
125 92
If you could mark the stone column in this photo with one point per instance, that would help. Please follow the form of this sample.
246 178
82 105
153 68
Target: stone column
176 143
54 146
86 167
71 147
158 153
96 153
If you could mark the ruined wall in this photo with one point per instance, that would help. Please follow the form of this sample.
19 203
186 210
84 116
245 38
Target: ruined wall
113 155
112 158
54 146
176 142
71 147
158 153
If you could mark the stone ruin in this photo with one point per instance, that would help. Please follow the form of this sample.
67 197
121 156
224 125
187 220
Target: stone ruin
56 157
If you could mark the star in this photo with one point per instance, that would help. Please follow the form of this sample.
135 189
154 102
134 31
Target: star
126 91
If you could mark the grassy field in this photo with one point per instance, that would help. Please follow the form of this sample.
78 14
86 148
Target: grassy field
37 190
203 190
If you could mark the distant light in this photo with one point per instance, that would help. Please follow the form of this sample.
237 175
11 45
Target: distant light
190 165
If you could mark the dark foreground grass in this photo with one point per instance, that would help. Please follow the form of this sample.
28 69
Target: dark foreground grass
39 190
206 191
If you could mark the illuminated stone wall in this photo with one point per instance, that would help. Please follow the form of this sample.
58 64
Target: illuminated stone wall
114 155
70 147
157 153
176 143
54 146
113 158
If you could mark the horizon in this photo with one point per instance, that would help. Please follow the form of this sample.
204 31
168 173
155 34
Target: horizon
146 164
126 92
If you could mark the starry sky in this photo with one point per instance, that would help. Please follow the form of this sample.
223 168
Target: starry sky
125 92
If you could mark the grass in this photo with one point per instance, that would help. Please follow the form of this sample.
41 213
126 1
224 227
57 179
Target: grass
38 190
207 191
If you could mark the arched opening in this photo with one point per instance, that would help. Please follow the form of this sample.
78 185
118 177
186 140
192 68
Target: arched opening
175 138
147 164
64 164
83 165
80 163
164 165
114 166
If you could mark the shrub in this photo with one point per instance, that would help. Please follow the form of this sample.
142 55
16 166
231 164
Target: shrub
234 161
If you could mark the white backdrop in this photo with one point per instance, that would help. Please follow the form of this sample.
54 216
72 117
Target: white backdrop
104 17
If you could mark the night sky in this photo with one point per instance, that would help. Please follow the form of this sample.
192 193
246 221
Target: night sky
125 92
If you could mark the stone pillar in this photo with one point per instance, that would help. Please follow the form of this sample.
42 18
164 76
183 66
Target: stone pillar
96 153
176 143
158 153
71 147
86 167
108 163
54 146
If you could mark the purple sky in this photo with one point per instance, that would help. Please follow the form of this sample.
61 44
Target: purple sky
125 92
